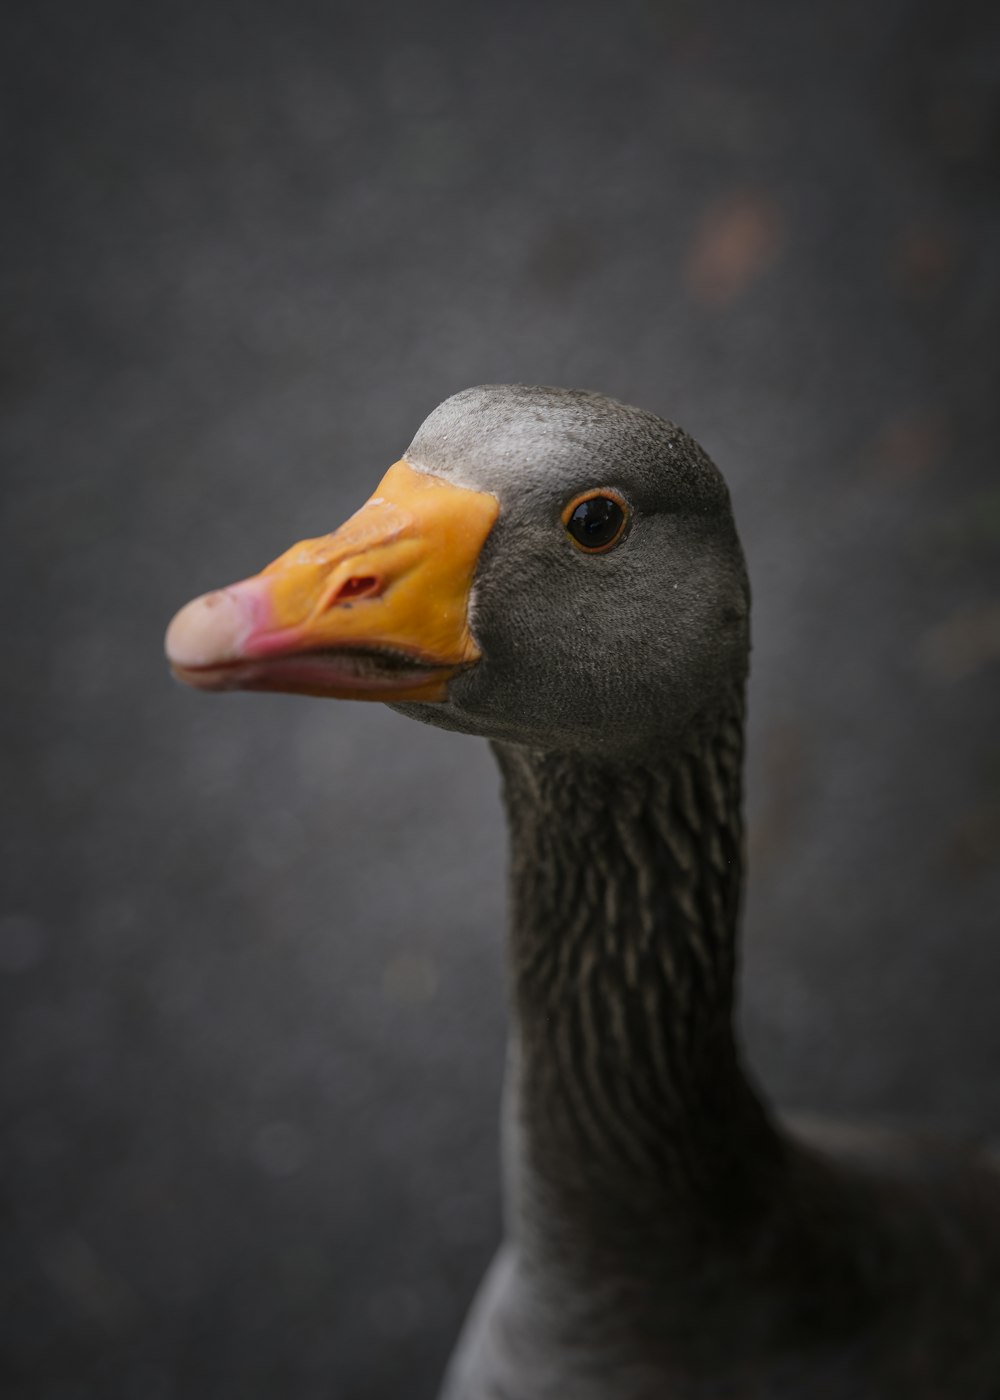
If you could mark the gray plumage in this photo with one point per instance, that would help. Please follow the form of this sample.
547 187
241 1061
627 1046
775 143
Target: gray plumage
666 1236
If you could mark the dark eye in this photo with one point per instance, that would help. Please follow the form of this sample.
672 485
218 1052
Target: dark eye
596 521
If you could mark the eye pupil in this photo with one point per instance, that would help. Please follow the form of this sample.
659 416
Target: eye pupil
596 522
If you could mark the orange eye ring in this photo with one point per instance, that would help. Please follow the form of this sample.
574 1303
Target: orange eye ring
596 529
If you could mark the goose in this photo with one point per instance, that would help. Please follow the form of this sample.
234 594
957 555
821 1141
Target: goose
561 574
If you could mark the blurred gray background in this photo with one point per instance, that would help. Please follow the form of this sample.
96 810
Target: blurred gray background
251 958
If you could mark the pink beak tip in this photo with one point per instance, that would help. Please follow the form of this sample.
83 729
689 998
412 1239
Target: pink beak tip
211 630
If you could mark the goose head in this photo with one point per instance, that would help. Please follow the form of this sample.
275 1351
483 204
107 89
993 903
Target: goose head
543 566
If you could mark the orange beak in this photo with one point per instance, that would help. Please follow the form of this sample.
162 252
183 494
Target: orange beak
379 610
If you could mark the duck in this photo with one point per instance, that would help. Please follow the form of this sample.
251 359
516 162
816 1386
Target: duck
561 574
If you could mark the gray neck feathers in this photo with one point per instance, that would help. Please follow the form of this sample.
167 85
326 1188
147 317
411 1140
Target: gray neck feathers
627 1106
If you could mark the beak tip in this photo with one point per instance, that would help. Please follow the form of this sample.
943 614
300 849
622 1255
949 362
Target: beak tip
208 631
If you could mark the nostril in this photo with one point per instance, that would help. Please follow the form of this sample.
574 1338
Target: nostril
355 587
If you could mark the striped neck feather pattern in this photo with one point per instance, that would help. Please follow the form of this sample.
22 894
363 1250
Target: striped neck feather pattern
625 899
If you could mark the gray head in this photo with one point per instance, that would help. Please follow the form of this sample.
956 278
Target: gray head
470 591
612 651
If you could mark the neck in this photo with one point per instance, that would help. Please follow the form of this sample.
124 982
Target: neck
628 1112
